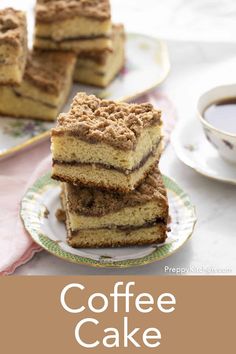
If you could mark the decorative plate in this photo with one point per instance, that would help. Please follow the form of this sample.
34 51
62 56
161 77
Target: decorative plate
38 208
193 149
147 65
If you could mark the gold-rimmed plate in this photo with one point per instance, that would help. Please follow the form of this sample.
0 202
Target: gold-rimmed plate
42 200
147 66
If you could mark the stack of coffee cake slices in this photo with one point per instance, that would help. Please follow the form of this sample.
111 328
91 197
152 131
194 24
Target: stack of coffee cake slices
106 155
85 28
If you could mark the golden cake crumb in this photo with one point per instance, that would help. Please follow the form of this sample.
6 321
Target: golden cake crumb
100 56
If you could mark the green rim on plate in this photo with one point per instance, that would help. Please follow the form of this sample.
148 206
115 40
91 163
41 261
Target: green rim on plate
182 214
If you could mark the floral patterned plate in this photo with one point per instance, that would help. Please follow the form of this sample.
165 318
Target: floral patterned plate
38 208
147 65
193 149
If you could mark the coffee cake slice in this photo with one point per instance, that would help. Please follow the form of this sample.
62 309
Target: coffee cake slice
73 25
13 46
96 218
99 68
46 84
106 144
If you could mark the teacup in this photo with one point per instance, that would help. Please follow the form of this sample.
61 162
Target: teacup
223 141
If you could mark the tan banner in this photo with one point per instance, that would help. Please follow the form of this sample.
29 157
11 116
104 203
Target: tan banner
70 315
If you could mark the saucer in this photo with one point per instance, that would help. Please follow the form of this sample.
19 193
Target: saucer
193 149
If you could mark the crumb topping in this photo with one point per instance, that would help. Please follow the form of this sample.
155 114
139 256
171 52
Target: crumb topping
12 27
49 70
55 10
95 202
115 123
60 215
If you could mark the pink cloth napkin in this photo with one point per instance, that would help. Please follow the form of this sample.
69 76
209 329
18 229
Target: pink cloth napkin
18 172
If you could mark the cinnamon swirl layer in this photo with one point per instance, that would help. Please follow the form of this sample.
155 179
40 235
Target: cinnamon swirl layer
99 67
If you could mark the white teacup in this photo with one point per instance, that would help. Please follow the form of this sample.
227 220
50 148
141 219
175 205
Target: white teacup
224 142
